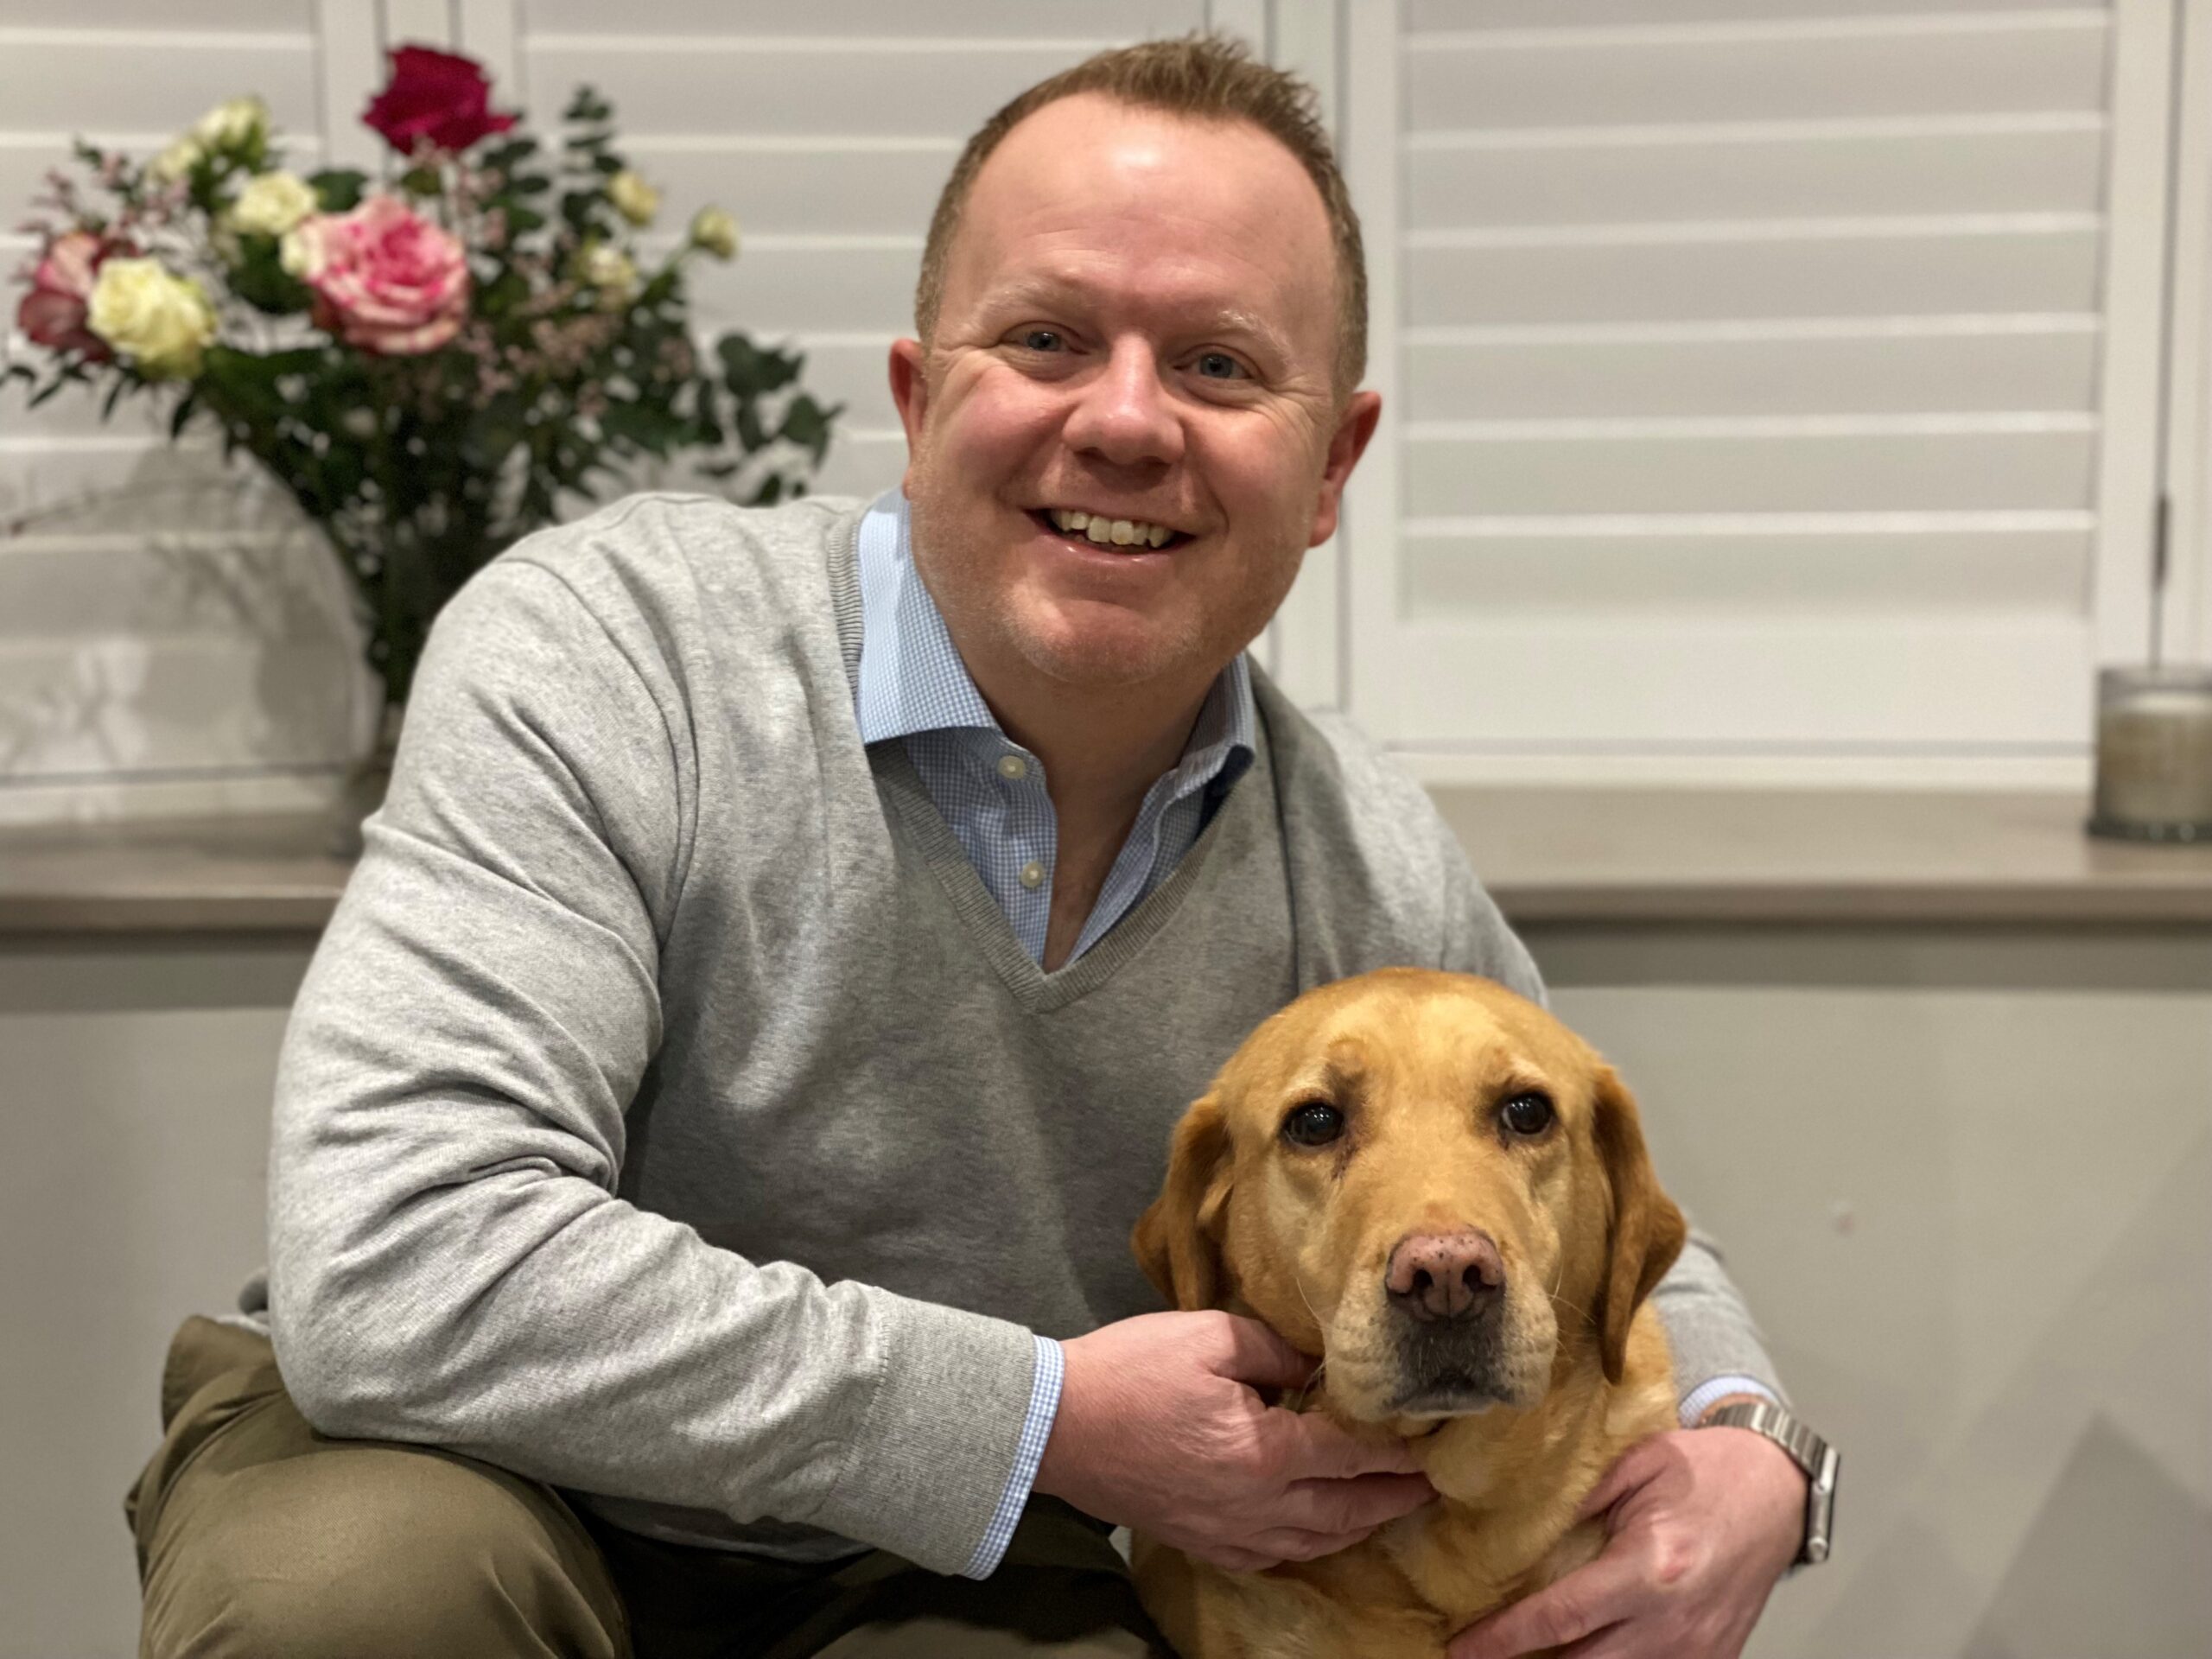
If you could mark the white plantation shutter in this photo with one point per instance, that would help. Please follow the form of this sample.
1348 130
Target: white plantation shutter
172 638
1773 389
828 126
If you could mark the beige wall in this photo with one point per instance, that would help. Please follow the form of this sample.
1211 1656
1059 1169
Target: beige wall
1962 1177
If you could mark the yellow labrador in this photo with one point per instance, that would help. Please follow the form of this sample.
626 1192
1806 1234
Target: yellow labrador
1437 1187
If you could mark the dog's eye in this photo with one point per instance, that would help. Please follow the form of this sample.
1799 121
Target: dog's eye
1527 1114
1314 1124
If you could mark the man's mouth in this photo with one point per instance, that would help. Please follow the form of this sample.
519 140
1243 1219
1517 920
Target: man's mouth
1137 535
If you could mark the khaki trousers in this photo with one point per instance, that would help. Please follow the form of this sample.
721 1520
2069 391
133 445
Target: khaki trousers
256 1535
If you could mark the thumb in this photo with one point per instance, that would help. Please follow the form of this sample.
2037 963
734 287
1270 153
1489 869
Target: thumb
1257 1357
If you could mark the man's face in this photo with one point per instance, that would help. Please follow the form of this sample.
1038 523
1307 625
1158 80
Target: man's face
1139 323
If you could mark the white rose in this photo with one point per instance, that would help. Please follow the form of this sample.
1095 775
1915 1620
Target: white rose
610 271
162 323
176 163
715 230
634 199
237 124
272 204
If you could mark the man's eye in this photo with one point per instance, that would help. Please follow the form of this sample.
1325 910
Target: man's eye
1041 340
1218 366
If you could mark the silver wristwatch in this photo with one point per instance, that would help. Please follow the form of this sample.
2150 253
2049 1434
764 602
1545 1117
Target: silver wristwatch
1808 1452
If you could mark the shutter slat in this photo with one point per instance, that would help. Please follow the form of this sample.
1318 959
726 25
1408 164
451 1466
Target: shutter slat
2050 368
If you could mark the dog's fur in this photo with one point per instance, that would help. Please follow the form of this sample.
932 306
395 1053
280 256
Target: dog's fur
1517 1413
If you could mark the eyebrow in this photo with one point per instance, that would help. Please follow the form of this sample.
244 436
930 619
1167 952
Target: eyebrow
1229 320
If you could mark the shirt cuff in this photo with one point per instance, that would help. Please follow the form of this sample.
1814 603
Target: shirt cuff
1036 1429
1699 1400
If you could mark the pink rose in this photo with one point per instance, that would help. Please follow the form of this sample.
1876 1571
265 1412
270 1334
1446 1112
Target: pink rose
384 278
52 314
439 96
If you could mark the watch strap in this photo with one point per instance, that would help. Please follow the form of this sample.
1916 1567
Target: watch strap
1818 1459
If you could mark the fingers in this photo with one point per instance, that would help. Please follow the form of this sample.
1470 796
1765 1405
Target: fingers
1258 1357
1348 1505
1297 1544
1316 1449
1268 1549
1586 1601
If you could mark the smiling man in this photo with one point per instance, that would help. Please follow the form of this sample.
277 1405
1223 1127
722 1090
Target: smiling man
707 1138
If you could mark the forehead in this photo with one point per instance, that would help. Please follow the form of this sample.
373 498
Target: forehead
1386 1038
1118 204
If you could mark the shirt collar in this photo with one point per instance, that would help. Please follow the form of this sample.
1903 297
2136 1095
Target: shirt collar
912 678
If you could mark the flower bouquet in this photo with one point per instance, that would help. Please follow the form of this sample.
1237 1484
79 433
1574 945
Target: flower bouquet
431 367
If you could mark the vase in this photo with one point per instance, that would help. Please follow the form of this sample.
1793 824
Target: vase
362 791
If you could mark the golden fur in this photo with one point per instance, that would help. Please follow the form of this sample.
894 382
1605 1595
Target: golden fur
1573 1366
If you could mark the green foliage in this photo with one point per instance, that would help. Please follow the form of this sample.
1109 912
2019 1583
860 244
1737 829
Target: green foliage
555 391
257 276
339 189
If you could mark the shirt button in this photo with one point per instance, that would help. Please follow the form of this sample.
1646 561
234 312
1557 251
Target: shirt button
1032 875
1012 767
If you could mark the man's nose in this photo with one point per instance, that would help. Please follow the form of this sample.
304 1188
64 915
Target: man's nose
1444 1275
1123 414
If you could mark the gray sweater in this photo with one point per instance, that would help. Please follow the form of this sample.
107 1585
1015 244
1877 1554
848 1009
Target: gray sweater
671 1114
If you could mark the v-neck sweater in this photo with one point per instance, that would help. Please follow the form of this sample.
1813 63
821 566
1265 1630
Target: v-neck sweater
670 1113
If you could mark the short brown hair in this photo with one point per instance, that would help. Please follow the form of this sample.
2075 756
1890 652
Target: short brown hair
1206 78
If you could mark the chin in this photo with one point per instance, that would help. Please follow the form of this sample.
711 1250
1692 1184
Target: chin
1098 655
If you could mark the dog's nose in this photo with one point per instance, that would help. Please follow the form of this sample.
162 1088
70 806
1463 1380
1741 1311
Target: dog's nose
1445 1275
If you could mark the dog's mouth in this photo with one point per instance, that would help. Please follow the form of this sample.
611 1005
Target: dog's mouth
1456 1371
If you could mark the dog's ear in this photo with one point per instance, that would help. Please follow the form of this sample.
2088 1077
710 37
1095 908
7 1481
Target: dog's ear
1178 1239
1647 1230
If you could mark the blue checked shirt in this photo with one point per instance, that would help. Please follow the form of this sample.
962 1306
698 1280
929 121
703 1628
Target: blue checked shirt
915 690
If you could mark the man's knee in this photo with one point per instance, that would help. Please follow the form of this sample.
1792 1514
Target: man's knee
373 1550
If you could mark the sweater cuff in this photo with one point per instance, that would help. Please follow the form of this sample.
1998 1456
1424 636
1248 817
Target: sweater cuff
923 1474
1036 1429
1699 1400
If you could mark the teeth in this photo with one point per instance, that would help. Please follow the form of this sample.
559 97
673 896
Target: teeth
1115 533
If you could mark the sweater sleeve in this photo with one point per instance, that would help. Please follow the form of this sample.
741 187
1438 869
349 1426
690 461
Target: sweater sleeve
1709 1328
450 1263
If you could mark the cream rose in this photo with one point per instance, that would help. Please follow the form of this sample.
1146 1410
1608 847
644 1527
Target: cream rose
177 161
162 323
240 124
715 230
609 270
272 203
634 199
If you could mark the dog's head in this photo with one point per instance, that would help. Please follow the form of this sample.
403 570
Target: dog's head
1425 1179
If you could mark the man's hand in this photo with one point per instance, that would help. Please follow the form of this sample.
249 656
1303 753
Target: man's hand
1159 1429
1700 1523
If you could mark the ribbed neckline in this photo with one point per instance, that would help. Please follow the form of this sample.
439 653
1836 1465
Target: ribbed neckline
1035 990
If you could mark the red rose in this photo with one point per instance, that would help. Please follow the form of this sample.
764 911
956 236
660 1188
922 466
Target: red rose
438 95
52 314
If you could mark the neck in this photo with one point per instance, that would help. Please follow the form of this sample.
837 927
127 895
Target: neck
1101 749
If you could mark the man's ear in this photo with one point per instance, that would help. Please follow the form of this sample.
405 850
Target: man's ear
910 390
1646 1232
1177 1240
1355 426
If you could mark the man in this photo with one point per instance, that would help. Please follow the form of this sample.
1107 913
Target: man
707 1137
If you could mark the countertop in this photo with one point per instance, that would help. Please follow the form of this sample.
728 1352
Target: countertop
1549 855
